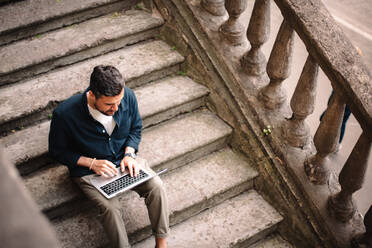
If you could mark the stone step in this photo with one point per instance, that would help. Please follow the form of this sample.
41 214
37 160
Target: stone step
157 102
30 17
272 241
32 100
191 189
90 38
238 222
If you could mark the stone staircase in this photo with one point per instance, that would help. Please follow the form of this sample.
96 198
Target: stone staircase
49 49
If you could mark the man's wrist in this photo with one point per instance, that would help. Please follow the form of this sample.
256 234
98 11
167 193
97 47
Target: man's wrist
129 149
130 154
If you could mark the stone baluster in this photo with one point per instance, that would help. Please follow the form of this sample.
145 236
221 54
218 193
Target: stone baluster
326 141
351 179
215 7
253 61
296 130
278 67
232 30
364 240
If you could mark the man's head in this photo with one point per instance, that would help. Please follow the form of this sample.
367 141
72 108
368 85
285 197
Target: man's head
106 89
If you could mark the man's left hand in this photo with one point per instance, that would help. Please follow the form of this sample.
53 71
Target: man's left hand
132 165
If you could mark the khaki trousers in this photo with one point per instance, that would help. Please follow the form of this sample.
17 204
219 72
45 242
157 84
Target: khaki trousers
110 209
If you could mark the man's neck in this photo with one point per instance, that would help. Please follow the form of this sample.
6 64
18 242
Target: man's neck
90 101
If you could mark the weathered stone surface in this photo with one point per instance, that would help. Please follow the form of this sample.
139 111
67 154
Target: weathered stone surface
51 187
234 223
193 132
91 38
166 95
25 145
190 189
273 241
28 12
26 29
35 94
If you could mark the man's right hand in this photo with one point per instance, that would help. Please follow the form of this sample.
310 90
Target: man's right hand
104 168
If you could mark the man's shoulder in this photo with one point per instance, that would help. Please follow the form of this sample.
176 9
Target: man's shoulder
129 96
69 106
129 92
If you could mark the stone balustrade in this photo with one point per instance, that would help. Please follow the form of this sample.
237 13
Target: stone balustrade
364 240
350 80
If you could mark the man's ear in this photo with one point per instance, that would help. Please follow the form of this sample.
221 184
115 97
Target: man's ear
91 95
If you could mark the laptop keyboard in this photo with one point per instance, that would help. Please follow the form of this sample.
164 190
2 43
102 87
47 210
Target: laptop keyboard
123 182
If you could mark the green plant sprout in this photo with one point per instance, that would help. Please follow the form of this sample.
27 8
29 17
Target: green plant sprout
182 73
267 130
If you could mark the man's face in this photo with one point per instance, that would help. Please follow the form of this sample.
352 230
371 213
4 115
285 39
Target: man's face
108 105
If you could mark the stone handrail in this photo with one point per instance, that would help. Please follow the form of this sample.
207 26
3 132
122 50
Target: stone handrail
332 51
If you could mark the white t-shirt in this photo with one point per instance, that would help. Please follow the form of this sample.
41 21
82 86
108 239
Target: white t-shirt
107 121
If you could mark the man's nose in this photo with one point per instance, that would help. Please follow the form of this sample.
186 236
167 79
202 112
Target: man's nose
115 107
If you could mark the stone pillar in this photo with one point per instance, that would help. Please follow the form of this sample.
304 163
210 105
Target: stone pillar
295 130
232 30
364 240
278 67
326 141
253 61
351 179
215 7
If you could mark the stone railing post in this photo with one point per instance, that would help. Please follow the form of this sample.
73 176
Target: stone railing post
215 7
364 240
232 30
253 61
278 67
295 130
351 179
326 141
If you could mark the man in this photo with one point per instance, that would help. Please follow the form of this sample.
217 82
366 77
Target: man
96 133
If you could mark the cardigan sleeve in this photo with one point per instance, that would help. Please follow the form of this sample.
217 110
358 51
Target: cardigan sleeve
60 141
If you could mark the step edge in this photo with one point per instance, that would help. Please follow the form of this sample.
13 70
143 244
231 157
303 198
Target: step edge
63 15
79 51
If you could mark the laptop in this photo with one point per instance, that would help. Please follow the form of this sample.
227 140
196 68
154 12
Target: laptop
111 187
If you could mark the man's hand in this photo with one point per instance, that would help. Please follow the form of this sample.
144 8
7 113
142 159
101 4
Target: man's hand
132 165
104 168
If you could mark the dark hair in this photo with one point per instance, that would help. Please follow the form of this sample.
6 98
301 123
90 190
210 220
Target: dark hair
106 80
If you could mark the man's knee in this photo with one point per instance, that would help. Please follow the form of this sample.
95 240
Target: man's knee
155 188
109 207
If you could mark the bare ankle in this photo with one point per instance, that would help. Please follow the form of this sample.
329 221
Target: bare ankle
161 242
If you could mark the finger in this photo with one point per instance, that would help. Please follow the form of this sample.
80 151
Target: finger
113 170
108 172
110 165
130 168
136 169
122 166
